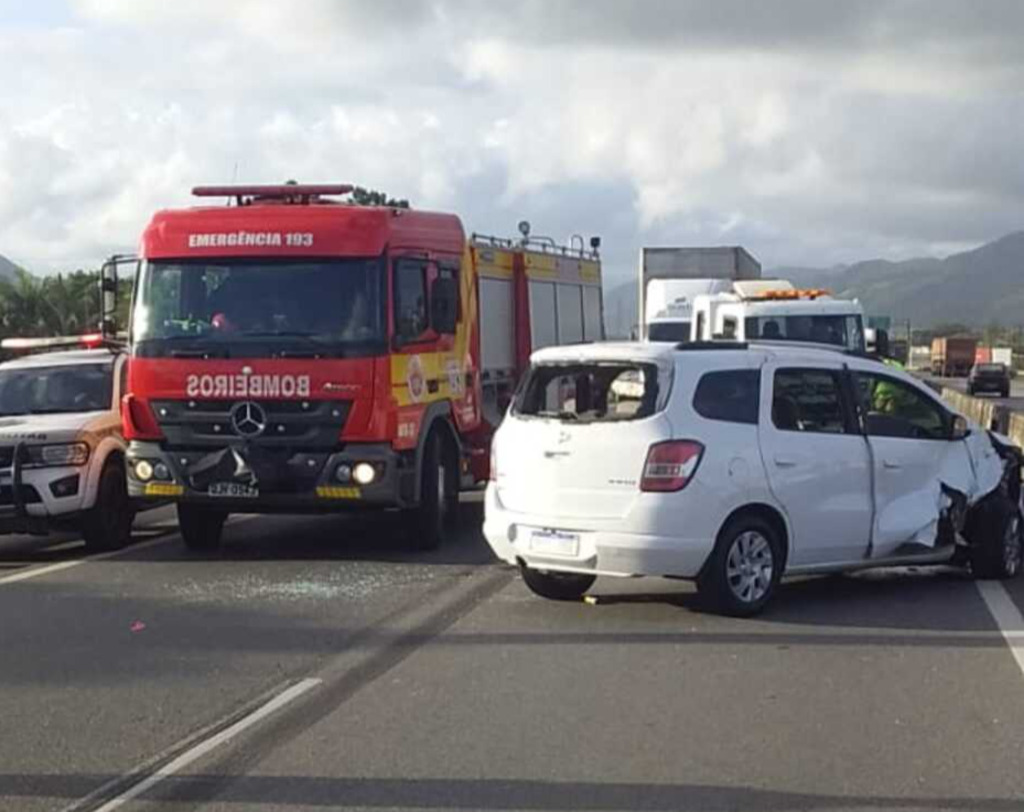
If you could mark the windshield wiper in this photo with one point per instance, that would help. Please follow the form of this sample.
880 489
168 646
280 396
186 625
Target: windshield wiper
563 415
314 337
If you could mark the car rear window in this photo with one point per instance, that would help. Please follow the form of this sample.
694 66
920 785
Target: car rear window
588 393
732 395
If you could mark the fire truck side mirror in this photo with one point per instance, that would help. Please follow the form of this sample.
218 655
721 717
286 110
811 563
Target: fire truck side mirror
444 305
108 296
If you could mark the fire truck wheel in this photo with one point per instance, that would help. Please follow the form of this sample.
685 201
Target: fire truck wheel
436 516
201 527
108 524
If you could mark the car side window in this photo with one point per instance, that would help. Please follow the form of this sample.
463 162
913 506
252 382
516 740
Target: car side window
731 395
893 408
808 400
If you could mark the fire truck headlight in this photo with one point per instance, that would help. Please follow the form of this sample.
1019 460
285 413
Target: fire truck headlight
343 473
161 471
143 470
364 473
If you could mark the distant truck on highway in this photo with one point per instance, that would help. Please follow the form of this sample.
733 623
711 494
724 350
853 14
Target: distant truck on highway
953 357
671 278
773 310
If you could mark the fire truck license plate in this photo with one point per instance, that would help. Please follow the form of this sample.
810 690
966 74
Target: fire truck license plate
233 489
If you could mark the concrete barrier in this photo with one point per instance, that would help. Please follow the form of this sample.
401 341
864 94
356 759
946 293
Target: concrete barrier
986 413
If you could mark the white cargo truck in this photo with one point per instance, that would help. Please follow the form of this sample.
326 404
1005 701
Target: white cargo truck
672 278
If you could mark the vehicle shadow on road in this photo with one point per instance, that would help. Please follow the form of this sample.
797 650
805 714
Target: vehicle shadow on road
373 536
489 794
940 599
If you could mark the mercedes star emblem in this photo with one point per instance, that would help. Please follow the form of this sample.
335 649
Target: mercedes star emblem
248 419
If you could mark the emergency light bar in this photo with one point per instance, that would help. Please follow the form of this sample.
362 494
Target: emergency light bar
283 191
782 295
88 341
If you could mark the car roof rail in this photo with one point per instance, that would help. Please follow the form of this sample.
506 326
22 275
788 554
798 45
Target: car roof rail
691 346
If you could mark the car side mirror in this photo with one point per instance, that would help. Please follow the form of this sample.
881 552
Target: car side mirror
960 428
444 304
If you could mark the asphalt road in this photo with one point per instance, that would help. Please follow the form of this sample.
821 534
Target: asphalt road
314 664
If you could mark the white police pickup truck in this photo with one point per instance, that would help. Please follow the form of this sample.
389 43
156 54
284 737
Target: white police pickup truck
61 449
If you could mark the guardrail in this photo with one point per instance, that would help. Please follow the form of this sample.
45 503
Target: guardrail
988 413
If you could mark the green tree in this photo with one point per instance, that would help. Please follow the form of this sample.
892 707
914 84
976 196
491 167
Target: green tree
371 197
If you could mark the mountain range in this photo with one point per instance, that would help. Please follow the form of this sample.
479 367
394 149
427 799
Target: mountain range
7 268
976 288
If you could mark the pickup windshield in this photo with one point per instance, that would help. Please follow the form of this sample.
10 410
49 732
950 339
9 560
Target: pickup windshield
56 389
251 307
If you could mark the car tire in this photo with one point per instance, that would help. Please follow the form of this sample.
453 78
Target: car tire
201 527
557 586
436 516
997 547
744 569
108 524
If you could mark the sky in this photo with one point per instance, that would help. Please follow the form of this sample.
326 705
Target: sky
813 133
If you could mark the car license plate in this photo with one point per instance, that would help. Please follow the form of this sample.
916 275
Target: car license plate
233 489
554 542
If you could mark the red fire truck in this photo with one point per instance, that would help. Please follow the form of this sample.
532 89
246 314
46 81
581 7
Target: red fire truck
293 353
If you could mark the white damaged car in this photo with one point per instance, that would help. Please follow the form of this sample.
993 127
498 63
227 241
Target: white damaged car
734 464
61 448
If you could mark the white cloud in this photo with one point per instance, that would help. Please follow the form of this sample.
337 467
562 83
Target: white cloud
814 137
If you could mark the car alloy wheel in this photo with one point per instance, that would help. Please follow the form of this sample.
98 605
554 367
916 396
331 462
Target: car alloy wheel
1012 552
749 567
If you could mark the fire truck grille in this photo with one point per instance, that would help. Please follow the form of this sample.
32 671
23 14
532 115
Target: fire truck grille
313 424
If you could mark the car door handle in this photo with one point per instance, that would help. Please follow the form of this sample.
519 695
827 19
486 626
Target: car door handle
785 462
892 465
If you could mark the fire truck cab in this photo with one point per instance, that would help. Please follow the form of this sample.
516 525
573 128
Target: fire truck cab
291 353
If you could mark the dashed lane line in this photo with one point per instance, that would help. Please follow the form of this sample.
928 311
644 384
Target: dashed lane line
199 750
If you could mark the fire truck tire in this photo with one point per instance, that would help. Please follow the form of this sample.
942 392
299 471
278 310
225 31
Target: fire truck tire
436 515
108 524
201 527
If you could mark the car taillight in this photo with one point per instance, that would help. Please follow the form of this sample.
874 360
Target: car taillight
671 465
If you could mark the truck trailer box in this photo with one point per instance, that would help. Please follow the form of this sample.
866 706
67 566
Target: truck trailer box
678 274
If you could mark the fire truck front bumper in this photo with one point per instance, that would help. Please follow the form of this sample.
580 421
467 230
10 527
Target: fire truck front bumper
251 479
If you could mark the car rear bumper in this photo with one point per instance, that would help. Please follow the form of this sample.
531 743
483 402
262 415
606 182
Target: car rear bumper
982 385
601 551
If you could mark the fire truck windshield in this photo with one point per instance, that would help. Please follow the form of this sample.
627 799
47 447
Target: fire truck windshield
250 307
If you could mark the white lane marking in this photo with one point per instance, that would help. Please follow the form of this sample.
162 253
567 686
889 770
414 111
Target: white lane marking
1007 616
74 562
24 576
204 747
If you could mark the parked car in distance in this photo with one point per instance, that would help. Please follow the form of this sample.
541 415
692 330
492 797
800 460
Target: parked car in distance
732 464
61 449
989 378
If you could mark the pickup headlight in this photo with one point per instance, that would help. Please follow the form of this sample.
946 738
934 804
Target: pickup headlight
43 456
